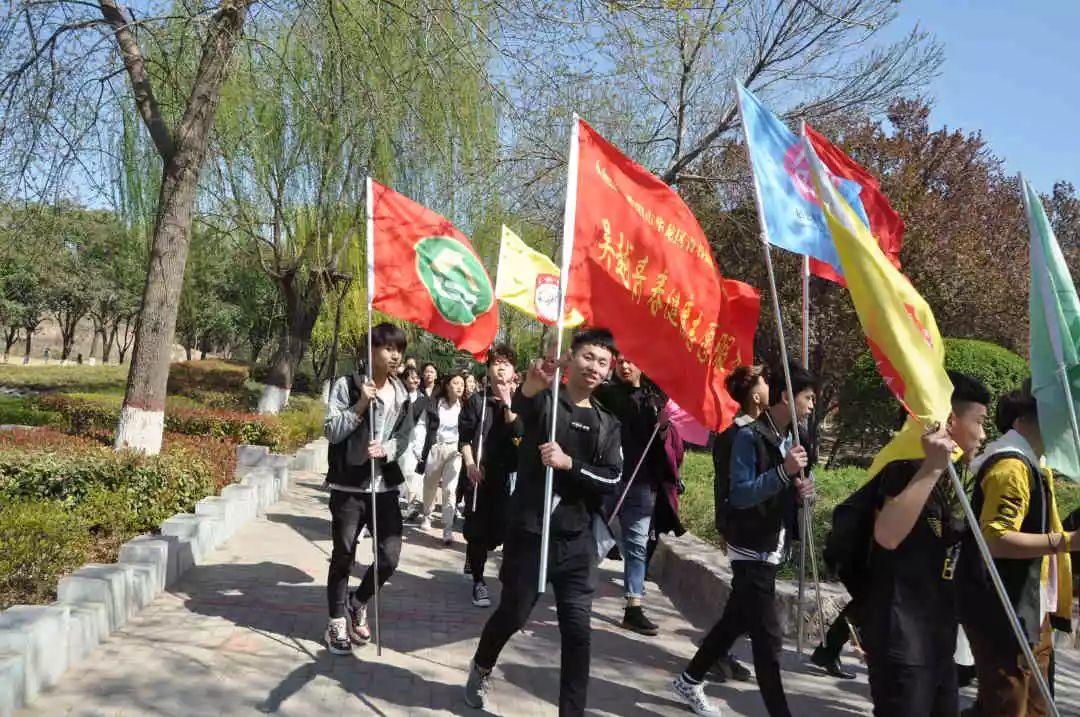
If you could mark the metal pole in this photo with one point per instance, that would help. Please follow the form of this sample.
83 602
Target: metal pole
569 214
999 587
648 445
480 445
371 409
776 310
804 524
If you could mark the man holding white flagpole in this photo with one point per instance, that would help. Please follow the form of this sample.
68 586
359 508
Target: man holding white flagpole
368 423
586 461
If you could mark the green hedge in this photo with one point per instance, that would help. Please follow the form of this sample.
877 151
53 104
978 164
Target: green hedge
82 414
17 411
869 413
64 501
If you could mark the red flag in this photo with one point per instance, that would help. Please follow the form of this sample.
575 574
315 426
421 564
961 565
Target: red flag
427 272
885 224
642 267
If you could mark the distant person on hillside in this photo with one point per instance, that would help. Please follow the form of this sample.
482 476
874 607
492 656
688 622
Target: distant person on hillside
46 355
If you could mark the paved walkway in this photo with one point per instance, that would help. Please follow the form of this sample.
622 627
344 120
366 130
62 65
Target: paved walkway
242 635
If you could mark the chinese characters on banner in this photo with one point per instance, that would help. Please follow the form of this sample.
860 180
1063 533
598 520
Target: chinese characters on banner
642 267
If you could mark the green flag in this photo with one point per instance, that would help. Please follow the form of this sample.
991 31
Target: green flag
1055 341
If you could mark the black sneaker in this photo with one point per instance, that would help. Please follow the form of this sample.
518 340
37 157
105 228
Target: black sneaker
830 664
477 686
480 595
728 668
337 637
634 619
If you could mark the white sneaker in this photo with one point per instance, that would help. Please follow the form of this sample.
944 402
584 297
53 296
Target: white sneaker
337 637
425 523
694 697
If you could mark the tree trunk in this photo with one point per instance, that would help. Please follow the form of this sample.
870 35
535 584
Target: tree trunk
10 337
142 418
29 340
302 310
69 322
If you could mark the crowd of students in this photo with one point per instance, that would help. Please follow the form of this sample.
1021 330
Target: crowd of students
616 459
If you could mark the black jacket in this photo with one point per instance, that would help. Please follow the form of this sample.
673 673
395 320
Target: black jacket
758 527
638 412
500 437
337 427
580 489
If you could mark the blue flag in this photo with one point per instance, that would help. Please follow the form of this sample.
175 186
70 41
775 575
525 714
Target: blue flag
792 219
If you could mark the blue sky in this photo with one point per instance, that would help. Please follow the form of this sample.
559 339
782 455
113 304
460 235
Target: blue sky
1012 70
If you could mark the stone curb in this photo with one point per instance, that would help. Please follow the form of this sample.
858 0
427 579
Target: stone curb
696 575
38 643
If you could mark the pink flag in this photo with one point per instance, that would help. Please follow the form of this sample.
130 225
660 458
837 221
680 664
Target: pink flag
688 426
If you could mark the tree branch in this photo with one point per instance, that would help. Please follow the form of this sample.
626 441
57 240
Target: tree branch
140 79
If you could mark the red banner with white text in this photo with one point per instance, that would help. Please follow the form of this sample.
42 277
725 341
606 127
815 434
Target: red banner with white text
642 268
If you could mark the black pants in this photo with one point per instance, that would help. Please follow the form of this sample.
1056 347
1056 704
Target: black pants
839 632
349 514
750 610
572 573
914 691
485 527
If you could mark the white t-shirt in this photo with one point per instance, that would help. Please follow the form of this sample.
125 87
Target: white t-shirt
448 422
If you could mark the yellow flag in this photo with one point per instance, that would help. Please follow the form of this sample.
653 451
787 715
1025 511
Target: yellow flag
898 323
529 281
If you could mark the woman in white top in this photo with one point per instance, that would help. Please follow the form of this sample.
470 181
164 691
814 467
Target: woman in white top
441 458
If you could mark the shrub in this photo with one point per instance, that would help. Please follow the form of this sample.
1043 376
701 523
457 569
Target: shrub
302 421
39 542
304 380
151 488
84 414
209 375
869 413
15 410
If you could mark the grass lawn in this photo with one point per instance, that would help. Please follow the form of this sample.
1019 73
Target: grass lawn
87 379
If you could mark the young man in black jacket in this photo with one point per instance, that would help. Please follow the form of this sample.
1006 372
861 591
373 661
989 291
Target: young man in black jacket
587 458
489 477
766 487
368 418
909 620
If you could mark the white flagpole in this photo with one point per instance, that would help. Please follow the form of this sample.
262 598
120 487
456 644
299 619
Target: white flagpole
777 316
569 216
480 445
1038 256
626 490
371 407
803 528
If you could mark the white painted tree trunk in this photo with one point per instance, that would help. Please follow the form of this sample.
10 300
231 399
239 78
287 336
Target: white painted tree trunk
140 430
324 394
273 399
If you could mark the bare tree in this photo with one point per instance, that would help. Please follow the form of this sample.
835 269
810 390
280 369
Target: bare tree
58 53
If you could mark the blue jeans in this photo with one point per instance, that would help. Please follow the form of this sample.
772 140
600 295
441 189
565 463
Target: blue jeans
635 517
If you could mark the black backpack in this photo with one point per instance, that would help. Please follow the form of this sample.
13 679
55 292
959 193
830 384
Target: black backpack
721 451
847 547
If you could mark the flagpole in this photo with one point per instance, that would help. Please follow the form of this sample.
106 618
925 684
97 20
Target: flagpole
779 323
999 587
569 214
1051 321
648 445
802 523
480 445
371 406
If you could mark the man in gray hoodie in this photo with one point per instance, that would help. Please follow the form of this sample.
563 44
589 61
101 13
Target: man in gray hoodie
367 419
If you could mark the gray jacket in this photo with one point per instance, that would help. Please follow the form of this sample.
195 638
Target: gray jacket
349 434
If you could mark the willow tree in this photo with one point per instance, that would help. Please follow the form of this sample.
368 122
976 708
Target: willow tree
345 91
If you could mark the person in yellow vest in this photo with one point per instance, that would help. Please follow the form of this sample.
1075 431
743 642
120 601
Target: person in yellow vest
1018 515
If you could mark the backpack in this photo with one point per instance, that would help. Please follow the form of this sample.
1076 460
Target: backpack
848 544
721 452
